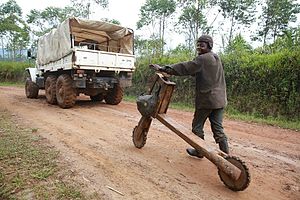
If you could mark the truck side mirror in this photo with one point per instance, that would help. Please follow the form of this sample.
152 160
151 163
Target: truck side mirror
29 53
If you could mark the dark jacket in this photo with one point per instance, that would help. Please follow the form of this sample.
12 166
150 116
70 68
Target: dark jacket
210 80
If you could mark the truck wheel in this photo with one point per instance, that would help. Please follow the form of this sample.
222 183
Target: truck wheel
50 89
31 89
98 97
114 95
65 93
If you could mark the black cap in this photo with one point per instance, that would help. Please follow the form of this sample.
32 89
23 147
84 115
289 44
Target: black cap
206 38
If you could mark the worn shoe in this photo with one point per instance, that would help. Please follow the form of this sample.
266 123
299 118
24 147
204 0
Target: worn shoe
194 152
223 145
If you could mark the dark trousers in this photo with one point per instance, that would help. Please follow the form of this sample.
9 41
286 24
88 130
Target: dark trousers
215 117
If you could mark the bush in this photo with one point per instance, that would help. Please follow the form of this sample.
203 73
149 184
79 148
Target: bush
260 84
12 71
266 84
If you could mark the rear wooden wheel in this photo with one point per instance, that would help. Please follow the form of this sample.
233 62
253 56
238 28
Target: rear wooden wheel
242 182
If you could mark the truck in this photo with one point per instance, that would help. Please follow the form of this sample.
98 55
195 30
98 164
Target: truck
81 56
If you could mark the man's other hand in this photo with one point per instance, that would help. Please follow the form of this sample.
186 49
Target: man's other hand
156 67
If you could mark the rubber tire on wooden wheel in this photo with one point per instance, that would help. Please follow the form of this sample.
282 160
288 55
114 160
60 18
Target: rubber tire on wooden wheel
31 89
65 93
98 97
50 89
114 95
242 182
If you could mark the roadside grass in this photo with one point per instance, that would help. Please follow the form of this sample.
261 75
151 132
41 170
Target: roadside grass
231 113
29 167
13 71
15 84
129 98
273 121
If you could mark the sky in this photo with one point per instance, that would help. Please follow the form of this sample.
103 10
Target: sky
127 13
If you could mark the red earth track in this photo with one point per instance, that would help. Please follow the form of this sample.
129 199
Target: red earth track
95 140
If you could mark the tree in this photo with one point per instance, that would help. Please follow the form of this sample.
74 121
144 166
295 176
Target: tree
83 7
238 45
147 47
193 20
112 21
276 17
239 12
42 21
156 11
290 40
14 31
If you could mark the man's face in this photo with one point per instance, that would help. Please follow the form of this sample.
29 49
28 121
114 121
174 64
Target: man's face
202 47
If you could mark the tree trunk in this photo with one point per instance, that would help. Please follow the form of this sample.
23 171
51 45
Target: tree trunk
197 22
163 36
2 47
275 34
231 30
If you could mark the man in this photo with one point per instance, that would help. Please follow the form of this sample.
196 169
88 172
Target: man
211 95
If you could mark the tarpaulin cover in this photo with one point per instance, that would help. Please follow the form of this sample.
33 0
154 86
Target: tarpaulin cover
57 43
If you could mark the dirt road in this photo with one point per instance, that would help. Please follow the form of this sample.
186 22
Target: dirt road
95 140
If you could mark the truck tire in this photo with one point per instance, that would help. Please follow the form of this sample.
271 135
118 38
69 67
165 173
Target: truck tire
114 95
65 93
50 89
31 89
98 97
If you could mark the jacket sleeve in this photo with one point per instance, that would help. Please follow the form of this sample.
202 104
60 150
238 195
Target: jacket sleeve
187 68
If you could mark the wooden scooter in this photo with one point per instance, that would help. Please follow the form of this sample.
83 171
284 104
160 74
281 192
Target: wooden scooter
232 171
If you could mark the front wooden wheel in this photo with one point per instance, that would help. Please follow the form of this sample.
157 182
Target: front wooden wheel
139 134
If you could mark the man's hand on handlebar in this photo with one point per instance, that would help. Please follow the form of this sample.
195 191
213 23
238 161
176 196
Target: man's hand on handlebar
165 69
155 67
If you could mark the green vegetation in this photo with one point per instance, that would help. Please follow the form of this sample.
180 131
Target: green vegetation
29 168
267 84
232 113
13 71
